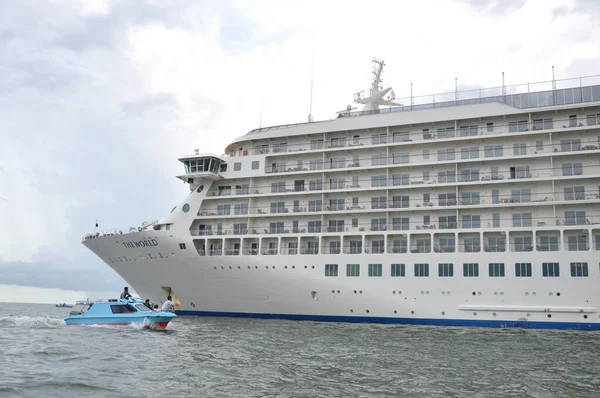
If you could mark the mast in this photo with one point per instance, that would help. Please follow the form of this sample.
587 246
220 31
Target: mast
377 92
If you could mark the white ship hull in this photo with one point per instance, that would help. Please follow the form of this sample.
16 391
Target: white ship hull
288 287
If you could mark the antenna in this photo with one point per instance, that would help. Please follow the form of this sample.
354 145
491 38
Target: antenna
312 78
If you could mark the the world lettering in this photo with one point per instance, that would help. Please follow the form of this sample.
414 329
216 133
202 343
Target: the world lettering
141 243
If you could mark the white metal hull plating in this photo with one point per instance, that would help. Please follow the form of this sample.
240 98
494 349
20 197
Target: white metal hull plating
294 286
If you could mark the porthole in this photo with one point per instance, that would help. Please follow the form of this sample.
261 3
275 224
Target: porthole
305 267
215 267
422 292
285 267
394 292
173 209
351 310
360 291
256 266
479 293
367 311
443 293
293 267
495 293
412 312
558 294
502 293
399 291
474 314
448 293
266 267
333 291
200 188
527 293
533 294
248 267
313 267
474 293
550 294
549 315
443 313
239 267
395 312
427 292
338 291
230 267
185 208
355 292
273 267
528 315
222 268
585 317
494 314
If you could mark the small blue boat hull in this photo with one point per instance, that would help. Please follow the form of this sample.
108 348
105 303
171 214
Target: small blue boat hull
159 320
118 313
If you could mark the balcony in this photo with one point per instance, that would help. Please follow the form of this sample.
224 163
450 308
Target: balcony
494 248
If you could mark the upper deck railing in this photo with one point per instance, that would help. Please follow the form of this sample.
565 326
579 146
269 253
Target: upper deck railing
523 96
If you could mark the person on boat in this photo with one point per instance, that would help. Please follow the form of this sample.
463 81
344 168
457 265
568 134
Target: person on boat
147 304
126 294
168 305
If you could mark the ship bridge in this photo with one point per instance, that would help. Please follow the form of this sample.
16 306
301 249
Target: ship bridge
201 167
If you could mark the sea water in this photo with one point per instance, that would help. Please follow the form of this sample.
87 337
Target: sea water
225 357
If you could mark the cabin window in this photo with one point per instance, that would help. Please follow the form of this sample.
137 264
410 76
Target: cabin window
352 269
550 270
579 269
122 309
331 270
142 307
398 270
255 164
496 269
471 269
237 166
445 270
522 270
421 269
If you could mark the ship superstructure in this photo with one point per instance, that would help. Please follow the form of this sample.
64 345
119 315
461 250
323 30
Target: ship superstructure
475 210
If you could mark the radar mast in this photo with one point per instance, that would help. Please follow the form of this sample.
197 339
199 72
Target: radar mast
375 98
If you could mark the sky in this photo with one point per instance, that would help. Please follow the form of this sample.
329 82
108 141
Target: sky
99 98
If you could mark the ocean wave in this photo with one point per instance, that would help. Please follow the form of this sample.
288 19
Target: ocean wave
31 322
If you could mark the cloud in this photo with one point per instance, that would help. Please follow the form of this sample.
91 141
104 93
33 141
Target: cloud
6 35
495 7
151 103
46 276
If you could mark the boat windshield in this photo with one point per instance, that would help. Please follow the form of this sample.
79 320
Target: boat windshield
142 307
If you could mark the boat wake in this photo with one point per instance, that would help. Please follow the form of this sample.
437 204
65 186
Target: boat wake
39 322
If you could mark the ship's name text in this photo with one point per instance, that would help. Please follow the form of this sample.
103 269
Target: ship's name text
141 243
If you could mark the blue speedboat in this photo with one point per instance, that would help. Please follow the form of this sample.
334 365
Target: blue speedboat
118 312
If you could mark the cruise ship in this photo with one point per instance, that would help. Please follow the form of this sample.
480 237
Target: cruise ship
477 208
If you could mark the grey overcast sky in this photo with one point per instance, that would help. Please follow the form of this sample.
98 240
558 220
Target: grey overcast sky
99 98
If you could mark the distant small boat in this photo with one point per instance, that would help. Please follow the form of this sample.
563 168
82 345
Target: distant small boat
63 305
118 312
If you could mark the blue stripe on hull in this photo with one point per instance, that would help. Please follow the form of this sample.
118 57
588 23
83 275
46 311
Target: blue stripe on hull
403 321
